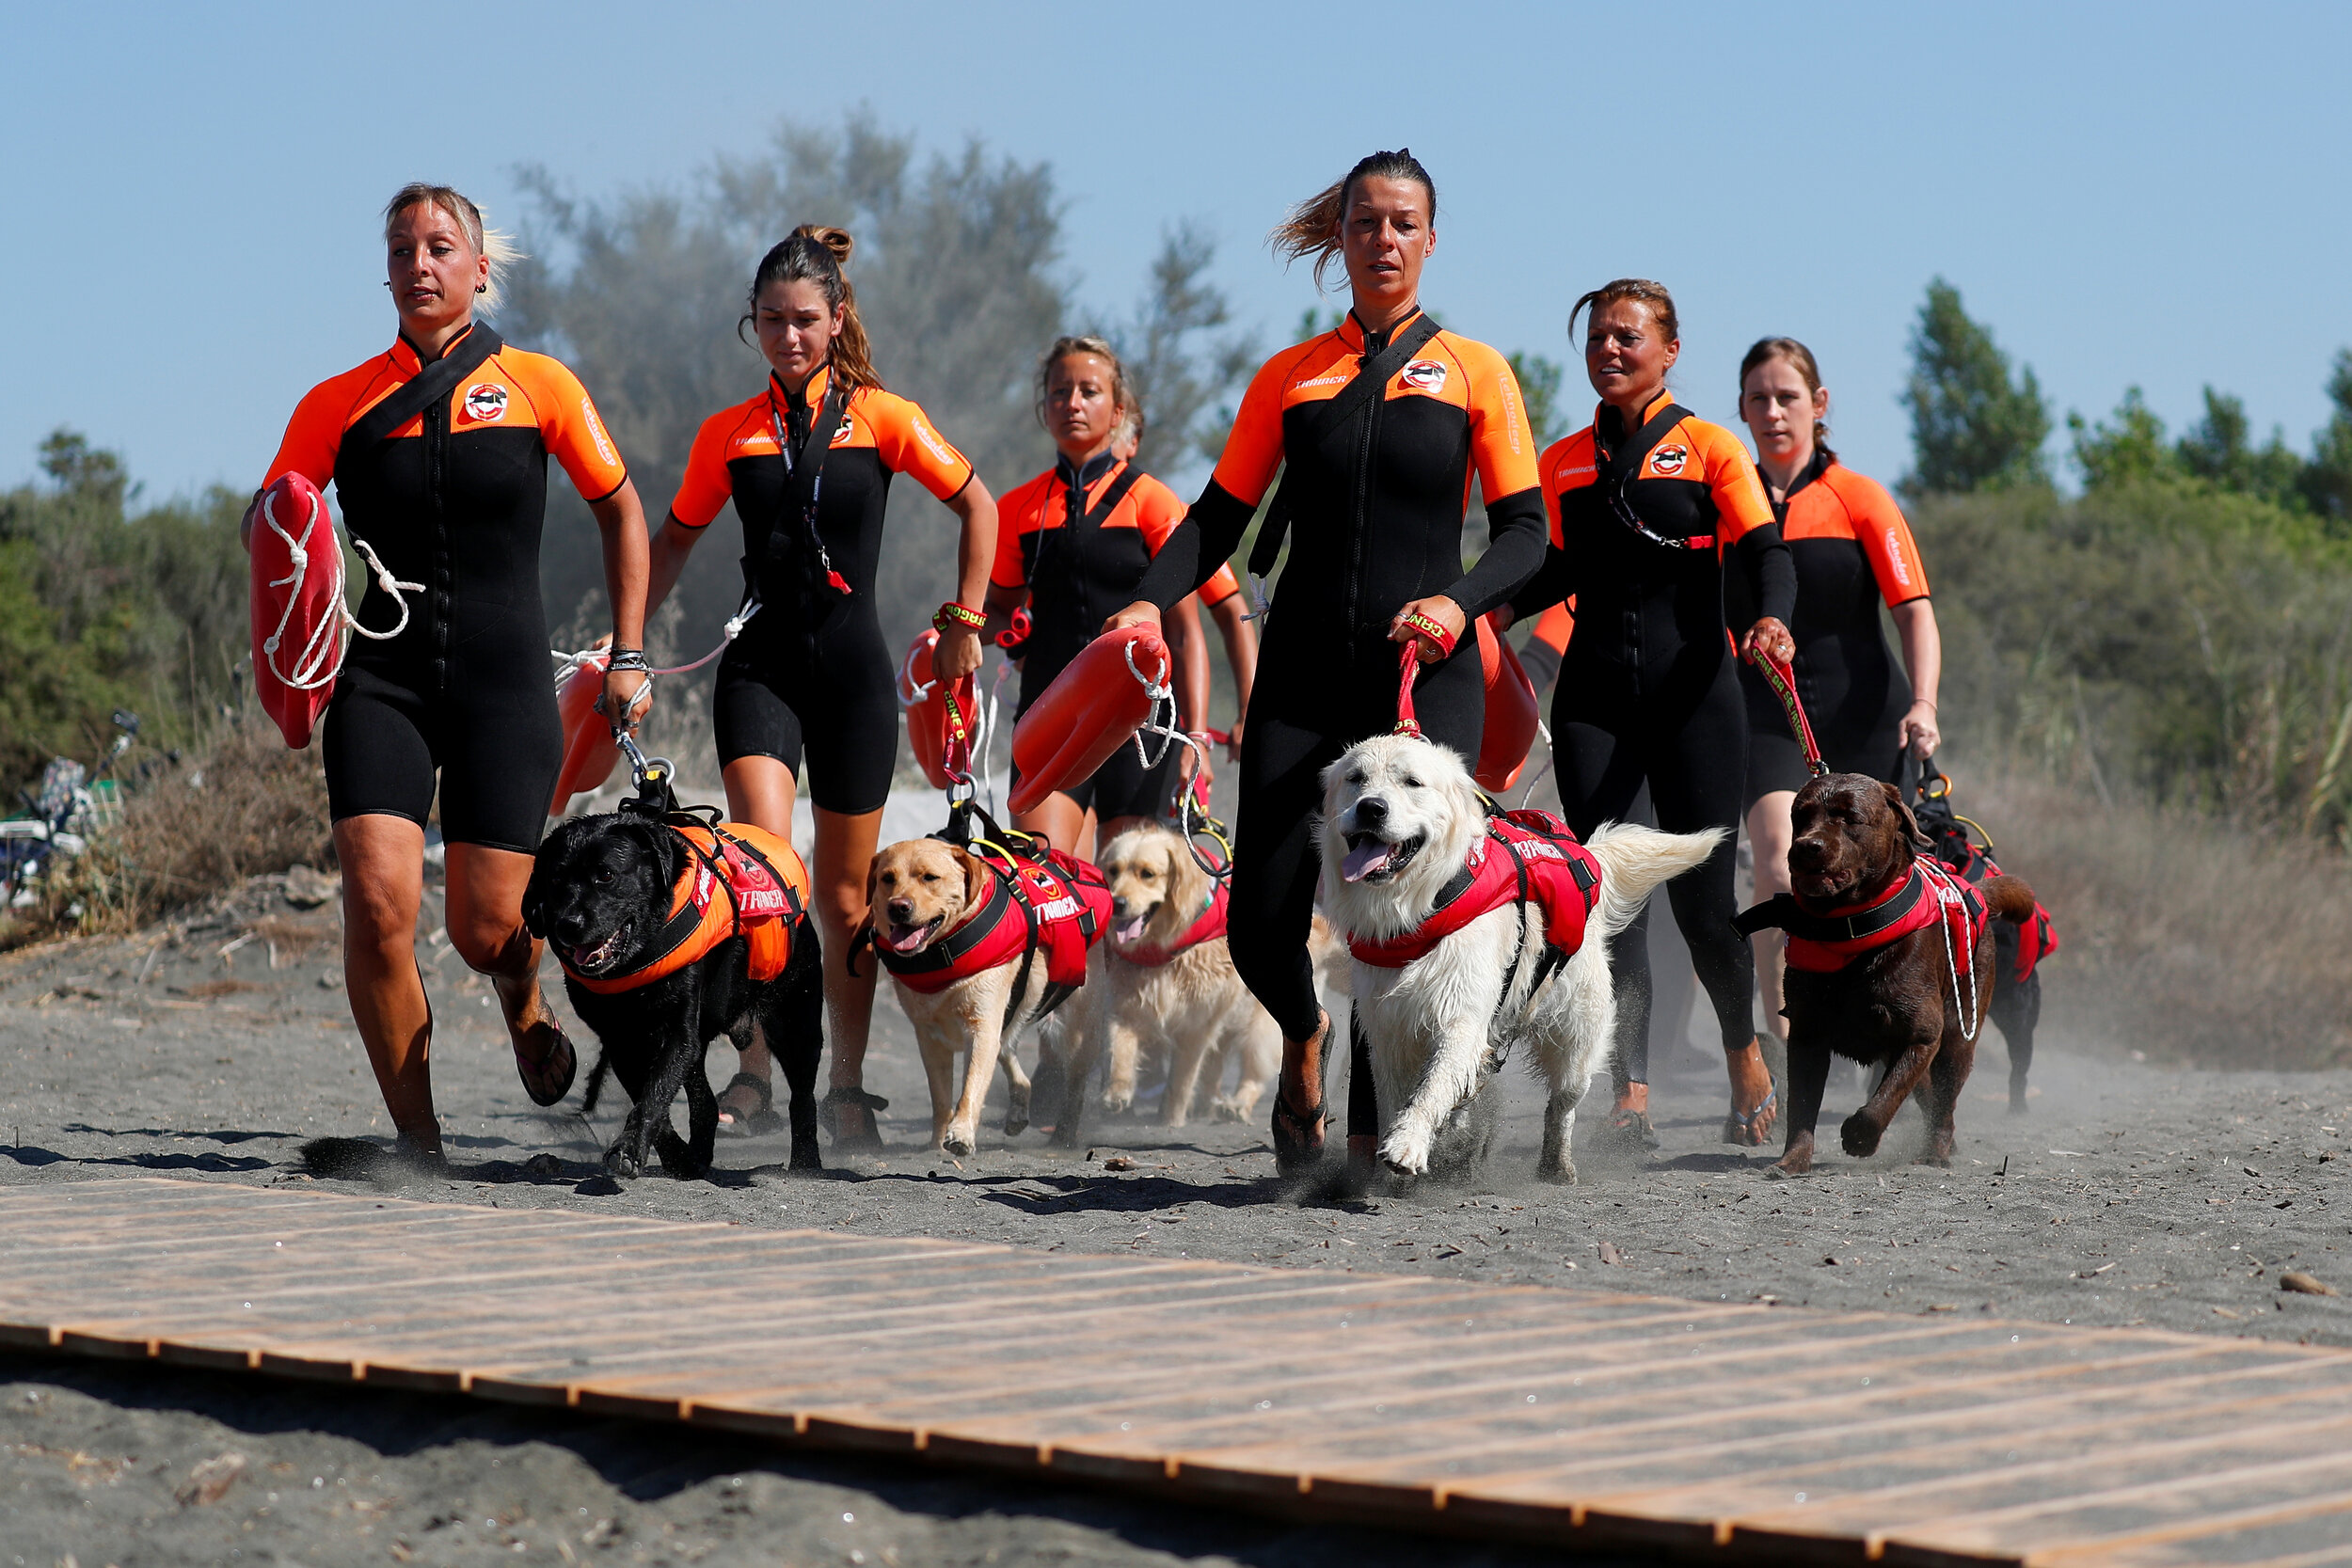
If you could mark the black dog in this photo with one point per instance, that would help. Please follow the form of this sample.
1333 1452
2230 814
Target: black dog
600 894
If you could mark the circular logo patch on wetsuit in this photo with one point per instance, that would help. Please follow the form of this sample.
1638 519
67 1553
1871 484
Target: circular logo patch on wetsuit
1669 461
1424 375
486 401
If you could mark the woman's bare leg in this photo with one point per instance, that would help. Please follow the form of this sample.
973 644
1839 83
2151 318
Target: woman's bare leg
383 865
485 915
760 791
845 853
1060 818
1769 833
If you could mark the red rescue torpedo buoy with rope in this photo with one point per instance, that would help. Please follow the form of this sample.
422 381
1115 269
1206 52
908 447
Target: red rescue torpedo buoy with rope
1095 706
588 750
1512 715
302 624
940 715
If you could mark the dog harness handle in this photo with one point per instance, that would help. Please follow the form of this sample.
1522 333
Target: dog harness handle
1782 680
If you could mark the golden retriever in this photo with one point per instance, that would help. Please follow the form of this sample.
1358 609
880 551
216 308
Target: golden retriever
917 894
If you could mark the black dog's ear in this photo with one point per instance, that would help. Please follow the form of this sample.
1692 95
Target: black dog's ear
1920 843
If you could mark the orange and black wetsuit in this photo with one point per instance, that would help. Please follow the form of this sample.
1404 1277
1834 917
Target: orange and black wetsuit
1648 689
1079 540
811 669
1377 503
1853 549
451 497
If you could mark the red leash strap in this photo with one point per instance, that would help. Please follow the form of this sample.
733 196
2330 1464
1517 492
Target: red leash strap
1783 681
956 757
1423 628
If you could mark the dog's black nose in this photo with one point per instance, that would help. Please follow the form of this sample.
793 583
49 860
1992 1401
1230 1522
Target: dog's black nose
1370 812
1808 852
901 909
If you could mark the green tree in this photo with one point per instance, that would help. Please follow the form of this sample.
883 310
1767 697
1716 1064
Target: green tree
1972 426
1539 384
2132 449
2326 481
1180 372
2220 450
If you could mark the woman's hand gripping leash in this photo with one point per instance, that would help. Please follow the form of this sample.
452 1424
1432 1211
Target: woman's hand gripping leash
1426 631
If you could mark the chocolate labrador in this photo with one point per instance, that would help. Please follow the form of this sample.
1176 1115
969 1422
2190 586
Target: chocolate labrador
1890 963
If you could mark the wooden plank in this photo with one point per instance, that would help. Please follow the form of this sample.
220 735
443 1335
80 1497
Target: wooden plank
1590 1419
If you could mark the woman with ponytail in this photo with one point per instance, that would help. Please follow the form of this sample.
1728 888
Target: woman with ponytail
438 450
1852 552
1383 425
1074 542
808 462
1652 508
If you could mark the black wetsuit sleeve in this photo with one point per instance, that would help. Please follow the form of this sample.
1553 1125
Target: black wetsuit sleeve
1518 532
1541 661
1772 570
1553 582
1197 546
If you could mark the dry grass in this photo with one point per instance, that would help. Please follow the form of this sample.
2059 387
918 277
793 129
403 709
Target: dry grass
241 805
2186 938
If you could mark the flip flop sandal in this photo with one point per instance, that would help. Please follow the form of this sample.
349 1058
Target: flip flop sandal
550 1078
755 1120
863 1137
1753 1126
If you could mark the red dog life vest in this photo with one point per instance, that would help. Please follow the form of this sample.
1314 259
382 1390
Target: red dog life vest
1059 906
1929 893
2036 939
1524 855
738 880
1207 927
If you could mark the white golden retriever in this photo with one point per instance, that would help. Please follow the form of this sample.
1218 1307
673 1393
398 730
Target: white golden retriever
1400 818
1185 1010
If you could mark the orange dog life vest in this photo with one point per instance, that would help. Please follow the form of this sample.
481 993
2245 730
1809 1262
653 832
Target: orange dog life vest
738 880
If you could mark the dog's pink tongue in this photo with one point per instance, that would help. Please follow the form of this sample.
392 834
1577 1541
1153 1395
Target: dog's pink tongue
1365 858
906 943
1131 930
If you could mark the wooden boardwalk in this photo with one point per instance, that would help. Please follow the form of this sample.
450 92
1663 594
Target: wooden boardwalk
1586 1419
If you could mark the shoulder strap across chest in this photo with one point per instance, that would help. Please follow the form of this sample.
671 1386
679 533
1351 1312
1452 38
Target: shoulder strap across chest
433 384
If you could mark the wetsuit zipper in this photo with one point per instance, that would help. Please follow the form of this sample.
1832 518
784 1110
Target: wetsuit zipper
436 496
1359 520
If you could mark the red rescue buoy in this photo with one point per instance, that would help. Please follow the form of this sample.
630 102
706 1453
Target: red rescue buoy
1095 706
1511 714
299 619
589 752
942 742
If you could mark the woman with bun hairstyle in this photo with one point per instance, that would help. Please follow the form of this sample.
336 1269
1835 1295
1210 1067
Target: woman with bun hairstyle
437 451
1384 423
1852 552
1649 505
1074 542
807 462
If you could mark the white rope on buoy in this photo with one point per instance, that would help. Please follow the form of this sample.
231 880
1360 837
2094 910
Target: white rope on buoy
321 658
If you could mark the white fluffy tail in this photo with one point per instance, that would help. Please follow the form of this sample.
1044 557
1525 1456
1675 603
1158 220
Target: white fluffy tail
1634 860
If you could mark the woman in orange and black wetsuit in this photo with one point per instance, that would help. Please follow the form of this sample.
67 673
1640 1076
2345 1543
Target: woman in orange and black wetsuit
1648 504
1377 494
437 451
1074 542
1852 552
810 675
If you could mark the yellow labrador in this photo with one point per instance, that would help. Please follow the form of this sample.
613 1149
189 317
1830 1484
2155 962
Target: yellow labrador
920 894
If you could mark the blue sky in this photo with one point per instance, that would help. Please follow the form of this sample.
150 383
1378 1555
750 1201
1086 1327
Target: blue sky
2152 194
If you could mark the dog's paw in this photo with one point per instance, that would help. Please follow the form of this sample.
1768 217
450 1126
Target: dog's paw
1223 1109
1017 1113
1118 1101
620 1164
958 1142
1781 1170
1562 1174
1406 1156
1860 1136
805 1154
